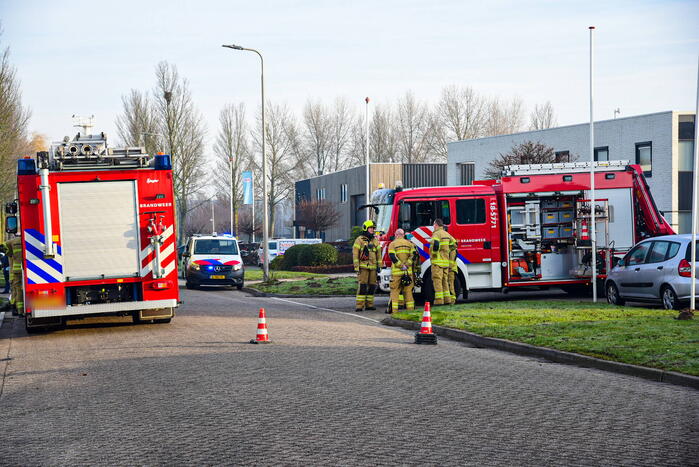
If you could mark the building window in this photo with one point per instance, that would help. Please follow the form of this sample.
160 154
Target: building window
467 171
343 193
562 156
602 153
320 193
644 157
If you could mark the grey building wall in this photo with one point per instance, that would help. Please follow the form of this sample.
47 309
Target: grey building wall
619 135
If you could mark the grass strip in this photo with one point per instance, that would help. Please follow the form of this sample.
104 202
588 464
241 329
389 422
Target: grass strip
313 286
635 335
256 274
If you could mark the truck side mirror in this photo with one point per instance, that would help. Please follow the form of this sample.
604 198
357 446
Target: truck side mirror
404 212
11 207
11 224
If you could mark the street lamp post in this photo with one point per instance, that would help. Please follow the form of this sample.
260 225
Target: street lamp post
230 179
366 157
265 214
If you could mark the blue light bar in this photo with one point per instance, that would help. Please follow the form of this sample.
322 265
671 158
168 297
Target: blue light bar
26 167
163 162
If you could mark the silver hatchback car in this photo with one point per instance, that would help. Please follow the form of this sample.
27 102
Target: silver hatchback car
656 269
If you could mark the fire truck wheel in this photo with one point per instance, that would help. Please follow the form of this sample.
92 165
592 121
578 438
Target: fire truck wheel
613 297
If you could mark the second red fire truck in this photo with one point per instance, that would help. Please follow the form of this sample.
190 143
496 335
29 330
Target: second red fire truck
528 229
97 226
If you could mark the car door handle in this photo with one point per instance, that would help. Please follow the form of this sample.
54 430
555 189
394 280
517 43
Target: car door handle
637 269
660 268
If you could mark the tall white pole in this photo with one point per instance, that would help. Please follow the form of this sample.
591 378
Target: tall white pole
265 216
213 221
593 224
694 199
366 157
253 213
230 160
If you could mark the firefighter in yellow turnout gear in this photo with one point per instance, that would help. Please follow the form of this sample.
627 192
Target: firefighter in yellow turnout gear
452 271
440 248
365 256
14 251
402 253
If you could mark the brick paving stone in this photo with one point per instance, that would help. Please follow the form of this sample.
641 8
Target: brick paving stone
331 389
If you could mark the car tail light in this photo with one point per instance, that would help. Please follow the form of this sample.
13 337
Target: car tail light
685 269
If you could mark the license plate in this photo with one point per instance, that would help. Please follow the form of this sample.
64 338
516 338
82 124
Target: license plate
218 277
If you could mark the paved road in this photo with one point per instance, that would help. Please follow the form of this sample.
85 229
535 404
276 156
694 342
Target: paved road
333 388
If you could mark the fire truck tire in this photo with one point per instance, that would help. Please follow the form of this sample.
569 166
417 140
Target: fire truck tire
459 289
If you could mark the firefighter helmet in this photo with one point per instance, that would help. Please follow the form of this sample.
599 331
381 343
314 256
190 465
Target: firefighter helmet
367 224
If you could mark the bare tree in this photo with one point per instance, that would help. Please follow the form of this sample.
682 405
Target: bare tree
542 117
138 125
14 118
383 144
281 151
232 156
528 152
318 215
503 117
342 118
317 135
247 226
412 129
182 127
461 112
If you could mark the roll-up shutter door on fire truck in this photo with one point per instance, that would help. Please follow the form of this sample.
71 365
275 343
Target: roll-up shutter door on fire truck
99 229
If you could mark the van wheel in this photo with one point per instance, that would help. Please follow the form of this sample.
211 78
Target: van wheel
613 297
669 297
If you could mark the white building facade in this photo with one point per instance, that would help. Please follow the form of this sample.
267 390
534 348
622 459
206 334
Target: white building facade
662 143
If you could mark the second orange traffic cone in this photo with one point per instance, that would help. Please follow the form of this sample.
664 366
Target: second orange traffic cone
426 336
262 336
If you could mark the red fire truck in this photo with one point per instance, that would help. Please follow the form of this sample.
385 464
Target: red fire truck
97 230
530 228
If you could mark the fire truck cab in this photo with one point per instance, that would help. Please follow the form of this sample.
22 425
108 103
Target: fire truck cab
530 228
98 237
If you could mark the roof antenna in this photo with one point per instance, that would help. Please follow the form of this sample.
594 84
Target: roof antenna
83 122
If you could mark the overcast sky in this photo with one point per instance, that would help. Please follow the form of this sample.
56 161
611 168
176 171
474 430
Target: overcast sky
80 57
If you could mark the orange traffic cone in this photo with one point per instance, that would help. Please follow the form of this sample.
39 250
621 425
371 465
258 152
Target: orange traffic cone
426 336
262 336
584 234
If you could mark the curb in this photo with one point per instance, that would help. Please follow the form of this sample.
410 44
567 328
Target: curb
258 293
558 356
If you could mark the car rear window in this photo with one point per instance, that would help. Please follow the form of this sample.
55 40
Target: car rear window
688 254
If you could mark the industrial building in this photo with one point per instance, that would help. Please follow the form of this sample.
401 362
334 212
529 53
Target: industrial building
346 189
662 143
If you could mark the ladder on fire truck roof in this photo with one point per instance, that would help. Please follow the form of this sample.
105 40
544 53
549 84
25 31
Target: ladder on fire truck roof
567 167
